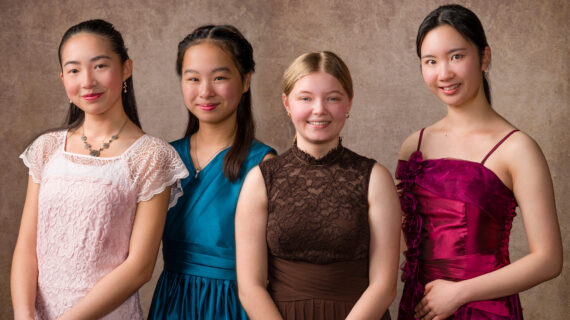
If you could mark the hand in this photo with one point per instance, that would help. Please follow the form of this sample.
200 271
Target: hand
441 299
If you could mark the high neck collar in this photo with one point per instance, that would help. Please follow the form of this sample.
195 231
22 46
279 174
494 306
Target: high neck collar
327 159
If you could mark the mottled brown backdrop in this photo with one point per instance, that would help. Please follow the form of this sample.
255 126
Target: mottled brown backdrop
529 78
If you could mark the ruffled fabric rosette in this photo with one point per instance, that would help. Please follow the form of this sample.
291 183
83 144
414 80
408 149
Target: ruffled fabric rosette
407 173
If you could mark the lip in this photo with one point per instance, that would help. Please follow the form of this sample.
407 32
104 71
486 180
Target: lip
207 106
450 89
92 96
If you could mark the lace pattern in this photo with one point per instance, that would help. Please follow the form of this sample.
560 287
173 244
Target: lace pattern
318 208
86 210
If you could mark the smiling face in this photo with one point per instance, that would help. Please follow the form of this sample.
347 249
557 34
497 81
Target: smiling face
211 84
452 66
92 73
318 105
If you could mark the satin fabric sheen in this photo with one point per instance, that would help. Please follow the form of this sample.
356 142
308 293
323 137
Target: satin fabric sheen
199 277
458 220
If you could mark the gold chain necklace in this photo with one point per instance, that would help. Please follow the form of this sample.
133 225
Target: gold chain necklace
105 145
198 167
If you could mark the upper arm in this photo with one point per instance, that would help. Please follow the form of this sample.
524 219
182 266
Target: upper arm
251 224
28 225
409 145
147 229
532 186
384 218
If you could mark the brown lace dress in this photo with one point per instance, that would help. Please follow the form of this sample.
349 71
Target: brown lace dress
317 232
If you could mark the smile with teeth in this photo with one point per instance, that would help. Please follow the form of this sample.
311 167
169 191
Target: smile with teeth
318 123
449 88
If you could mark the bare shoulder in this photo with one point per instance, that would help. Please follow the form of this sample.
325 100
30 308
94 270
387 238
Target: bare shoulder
409 145
521 153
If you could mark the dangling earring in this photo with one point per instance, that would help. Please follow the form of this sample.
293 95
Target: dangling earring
70 102
125 87
289 114
347 115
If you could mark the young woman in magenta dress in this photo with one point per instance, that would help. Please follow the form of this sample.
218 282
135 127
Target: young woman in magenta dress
98 192
215 65
317 228
460 181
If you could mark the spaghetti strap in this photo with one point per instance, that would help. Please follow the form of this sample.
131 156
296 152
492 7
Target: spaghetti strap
420 139
497 145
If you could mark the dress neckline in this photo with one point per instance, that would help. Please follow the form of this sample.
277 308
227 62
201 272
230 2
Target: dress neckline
122 154
419 153
331 157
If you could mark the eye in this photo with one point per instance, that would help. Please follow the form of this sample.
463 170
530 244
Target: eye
456 56
218 78
429 61
72 71
100 66
334 99
191 79
304 99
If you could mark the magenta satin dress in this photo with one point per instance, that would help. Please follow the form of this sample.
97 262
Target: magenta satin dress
458 217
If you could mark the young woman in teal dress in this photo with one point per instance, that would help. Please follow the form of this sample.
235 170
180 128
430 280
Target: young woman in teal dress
215 64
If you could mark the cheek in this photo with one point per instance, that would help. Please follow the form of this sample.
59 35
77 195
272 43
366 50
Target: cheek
429 75
231 93
189 93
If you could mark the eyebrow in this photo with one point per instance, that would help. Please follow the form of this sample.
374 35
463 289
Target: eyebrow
329 92
218 69
92 59
448 52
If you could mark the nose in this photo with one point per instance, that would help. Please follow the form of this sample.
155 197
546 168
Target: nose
88 80
206 89
319 106
445 72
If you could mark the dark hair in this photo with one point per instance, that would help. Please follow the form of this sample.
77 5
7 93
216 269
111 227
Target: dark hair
229 39
75 116
465 22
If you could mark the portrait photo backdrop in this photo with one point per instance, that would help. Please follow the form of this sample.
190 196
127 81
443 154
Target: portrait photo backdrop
376 38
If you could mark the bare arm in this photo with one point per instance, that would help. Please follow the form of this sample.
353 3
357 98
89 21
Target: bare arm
384 217
115 287
24 276
533 190
251 248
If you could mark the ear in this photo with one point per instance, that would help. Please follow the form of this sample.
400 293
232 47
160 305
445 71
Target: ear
486 59
349 106
285 102
246 82
127 69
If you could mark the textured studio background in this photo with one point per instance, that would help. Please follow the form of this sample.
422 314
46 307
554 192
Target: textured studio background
529 79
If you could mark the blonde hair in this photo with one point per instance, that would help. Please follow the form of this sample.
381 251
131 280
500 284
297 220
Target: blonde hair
317 61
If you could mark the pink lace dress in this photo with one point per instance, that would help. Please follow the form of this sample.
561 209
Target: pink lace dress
86 210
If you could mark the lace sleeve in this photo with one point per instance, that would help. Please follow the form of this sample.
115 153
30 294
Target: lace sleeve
38 153
156 165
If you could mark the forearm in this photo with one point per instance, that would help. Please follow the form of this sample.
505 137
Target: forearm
374 301
110 291
521 275
23 284
258 303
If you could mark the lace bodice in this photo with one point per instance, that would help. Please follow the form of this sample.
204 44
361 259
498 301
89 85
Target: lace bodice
318 208
86 210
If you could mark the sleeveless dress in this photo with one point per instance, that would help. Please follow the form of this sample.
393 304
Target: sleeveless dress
318 235
86 210
458 217
199 276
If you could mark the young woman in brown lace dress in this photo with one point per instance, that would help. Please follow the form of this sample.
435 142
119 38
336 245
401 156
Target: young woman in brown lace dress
317 228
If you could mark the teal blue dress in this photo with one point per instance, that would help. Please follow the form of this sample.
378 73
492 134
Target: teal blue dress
199 276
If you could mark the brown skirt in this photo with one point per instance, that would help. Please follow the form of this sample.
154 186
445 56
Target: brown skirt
304 290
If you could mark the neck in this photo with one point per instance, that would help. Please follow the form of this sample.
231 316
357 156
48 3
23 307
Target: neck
470 116
216 135
104 125
317 150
